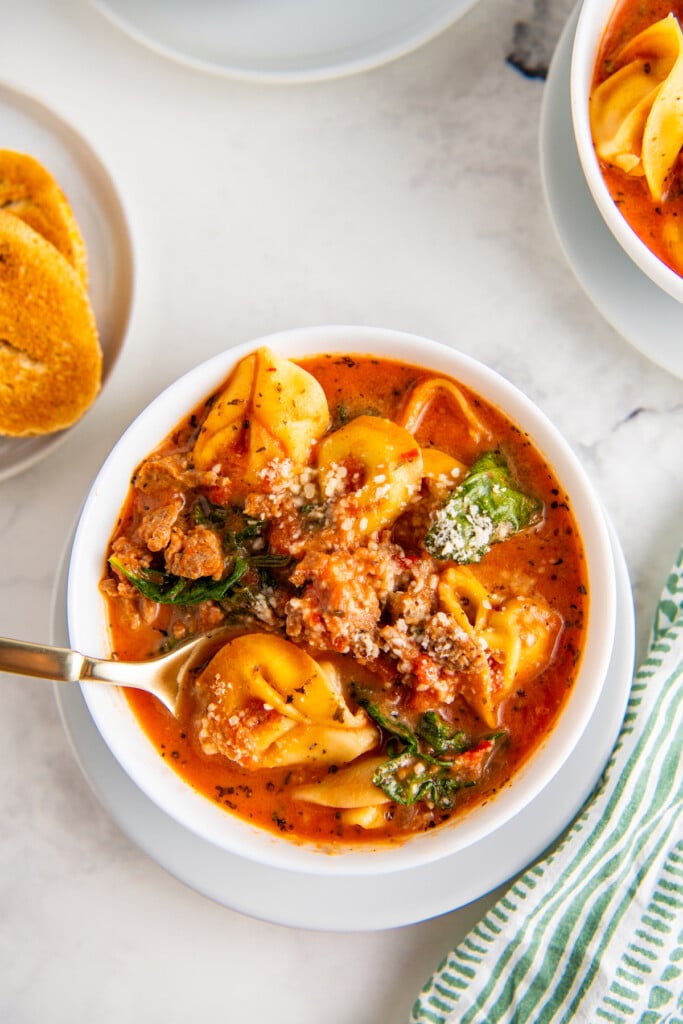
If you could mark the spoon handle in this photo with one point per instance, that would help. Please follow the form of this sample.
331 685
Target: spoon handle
56 663
62 665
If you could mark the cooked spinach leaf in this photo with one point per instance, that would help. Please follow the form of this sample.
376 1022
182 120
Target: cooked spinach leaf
485 509
440 736
391 723
426 763
409 778
236 526
430 731
165 588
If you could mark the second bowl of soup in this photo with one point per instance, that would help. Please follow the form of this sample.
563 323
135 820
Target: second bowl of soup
413 583
626 77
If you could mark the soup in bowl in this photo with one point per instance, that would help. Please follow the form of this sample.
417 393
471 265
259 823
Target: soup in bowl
412 582
626 76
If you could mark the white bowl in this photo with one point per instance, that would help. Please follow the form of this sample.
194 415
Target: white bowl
592 21
116 722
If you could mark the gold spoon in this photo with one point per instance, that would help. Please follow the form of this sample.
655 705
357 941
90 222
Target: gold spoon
162 676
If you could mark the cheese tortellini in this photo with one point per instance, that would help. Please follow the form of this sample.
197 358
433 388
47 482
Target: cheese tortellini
637 113
264 703
270 409
520 633
384 465
351 792
426 392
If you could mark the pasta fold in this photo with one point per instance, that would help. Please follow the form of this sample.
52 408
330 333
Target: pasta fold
426 392
440 470
270 409
350 787
519 633
266 703
637 113
352 793
377 468
524 632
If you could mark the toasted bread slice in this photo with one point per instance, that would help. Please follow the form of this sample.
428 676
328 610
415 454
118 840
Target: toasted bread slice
30 192
50 357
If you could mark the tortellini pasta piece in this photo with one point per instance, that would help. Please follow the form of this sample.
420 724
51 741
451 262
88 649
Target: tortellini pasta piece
464 597
441 470
365 817
385 465
637 113
266 703
426 392
349 787
352 792
270 409
520 633
524 632
436 464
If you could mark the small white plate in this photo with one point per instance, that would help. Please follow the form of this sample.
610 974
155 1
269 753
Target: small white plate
350 903
29 127
640 311
284 40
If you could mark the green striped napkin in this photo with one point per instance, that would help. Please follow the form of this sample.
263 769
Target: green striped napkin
594 933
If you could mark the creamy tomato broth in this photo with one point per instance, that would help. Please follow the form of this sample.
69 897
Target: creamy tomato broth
404 582
635 121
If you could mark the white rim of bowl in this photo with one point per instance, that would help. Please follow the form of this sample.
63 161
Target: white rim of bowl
593 18
110 711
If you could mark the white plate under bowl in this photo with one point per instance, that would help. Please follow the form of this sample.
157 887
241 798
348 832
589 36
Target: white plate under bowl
284 40
27 126
88 623
341 904
636 307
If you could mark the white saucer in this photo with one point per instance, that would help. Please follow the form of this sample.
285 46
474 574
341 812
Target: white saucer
640 311
354 903
284 40
29 127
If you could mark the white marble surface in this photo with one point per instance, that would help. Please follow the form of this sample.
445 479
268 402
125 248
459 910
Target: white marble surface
408 196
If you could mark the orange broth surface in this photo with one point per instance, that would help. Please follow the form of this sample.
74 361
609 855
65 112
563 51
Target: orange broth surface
652 221
548 558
